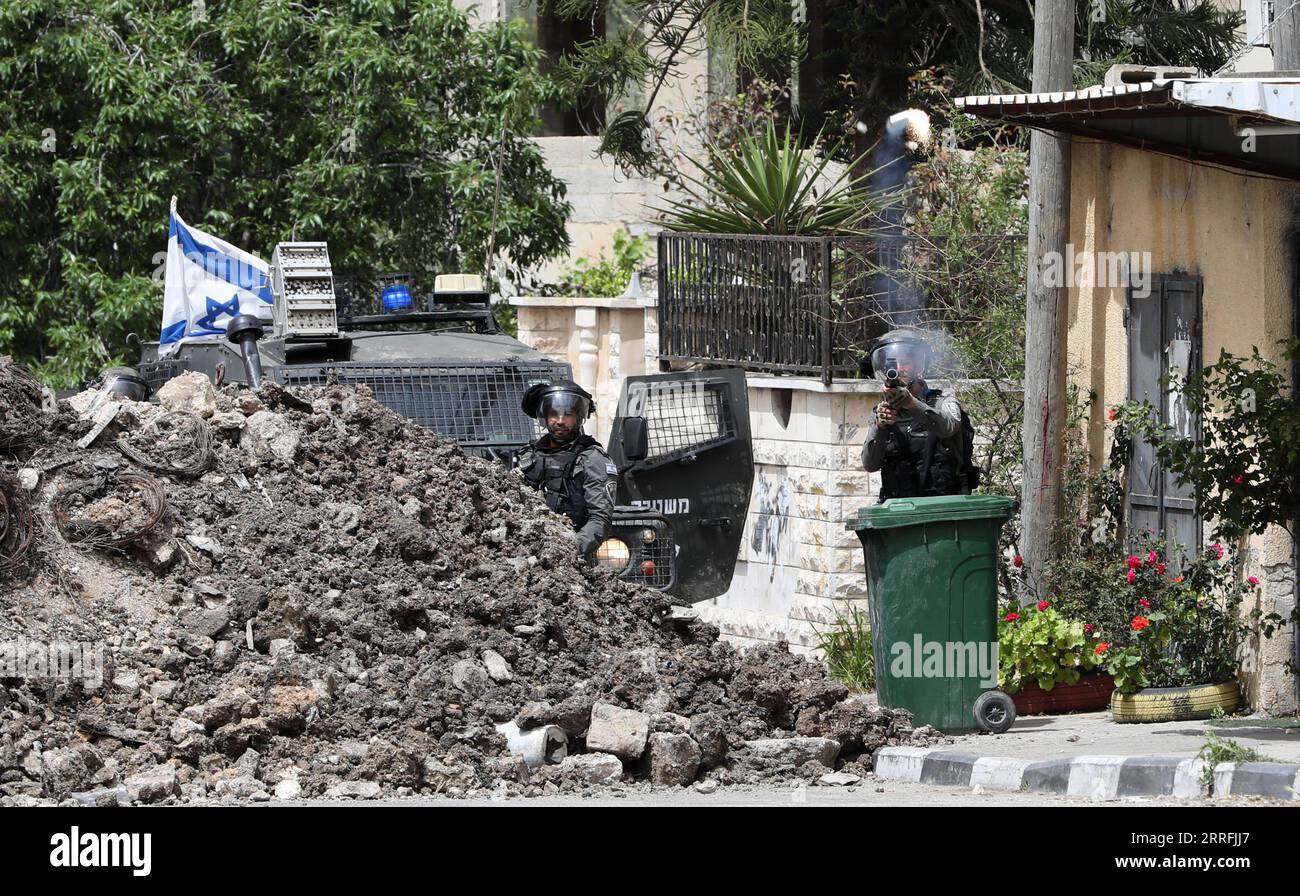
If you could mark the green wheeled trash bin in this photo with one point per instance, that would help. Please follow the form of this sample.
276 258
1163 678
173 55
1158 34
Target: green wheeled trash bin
932 583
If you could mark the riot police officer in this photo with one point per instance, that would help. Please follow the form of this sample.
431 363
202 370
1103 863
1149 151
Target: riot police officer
918 439
571 468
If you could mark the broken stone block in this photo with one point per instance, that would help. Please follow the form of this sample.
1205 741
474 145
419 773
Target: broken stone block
267 433
68 769
594 768
154 785
794 751
622 732
669 723
288 790
710 732
234 782
674 759
356 790
183 729
227 421
191 392
471 679
497 667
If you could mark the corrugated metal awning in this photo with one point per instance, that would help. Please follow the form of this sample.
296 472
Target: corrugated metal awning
1203 119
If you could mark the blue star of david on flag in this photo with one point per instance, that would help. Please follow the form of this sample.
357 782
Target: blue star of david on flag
208 280
207 324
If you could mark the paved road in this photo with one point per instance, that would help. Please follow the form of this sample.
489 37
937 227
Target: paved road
895 794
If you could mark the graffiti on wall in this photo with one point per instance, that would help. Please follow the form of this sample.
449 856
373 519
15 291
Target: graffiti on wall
772 522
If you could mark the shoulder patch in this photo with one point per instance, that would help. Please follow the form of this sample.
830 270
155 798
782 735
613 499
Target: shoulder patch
610 468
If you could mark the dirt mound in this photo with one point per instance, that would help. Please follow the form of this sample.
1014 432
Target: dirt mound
323 599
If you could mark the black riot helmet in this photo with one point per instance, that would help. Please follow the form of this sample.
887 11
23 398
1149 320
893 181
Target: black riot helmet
562 397
903 352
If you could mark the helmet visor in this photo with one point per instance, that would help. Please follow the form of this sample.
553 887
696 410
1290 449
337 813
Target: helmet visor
560 404
904 361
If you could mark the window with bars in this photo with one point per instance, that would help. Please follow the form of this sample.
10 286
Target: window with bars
1164 337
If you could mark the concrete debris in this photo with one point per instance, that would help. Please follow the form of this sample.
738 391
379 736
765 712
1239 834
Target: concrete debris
794 751
593 768
191 392
616 730
674 759
346 595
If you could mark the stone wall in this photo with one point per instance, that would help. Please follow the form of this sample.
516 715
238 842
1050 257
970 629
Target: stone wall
603 340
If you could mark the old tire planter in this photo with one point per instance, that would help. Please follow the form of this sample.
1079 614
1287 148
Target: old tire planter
1175 704
1091 694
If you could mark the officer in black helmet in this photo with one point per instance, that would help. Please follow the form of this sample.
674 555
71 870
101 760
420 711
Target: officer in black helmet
919 439
571 468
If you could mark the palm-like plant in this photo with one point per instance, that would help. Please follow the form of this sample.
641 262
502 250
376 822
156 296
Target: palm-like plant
765 184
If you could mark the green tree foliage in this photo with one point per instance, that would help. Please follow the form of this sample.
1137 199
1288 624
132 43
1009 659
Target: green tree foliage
862 54
377 125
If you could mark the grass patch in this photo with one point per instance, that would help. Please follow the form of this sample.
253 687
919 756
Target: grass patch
1218 749
846 646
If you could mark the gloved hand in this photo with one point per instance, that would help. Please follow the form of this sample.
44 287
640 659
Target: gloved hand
900 399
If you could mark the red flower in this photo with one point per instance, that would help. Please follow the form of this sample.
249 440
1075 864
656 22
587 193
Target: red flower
1102 648
1042 606
1134 562
1178 580
1018 561
1218 550
1238 479
1152 557
1160 568
1131 577
1146 604
1087 628
1012 617
1110 415
1254 581
1140 622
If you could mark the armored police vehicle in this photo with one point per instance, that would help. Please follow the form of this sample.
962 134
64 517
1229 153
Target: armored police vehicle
680 440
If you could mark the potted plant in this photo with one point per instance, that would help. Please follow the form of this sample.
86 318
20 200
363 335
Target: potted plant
1181 658
1048 662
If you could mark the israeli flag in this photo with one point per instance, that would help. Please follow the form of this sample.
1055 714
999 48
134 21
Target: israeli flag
208 282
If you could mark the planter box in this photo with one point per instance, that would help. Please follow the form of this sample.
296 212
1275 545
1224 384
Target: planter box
1175 704
1091 694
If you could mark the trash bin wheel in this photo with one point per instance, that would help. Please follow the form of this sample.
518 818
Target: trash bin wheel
994 712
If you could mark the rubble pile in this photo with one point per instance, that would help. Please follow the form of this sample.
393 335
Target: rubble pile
300 594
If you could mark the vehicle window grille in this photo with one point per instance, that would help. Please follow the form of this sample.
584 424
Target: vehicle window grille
474 404
695 416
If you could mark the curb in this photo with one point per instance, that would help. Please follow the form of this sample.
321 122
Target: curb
1092 777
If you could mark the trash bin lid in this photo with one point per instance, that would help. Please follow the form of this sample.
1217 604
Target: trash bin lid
915 511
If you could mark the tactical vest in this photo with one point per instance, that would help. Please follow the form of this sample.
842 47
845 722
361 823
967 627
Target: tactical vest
917 463
552 472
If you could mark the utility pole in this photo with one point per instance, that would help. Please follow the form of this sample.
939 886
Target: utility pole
1285 37
1045 311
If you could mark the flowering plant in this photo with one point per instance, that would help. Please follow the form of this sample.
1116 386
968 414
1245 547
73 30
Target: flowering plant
1039 644
1190 630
